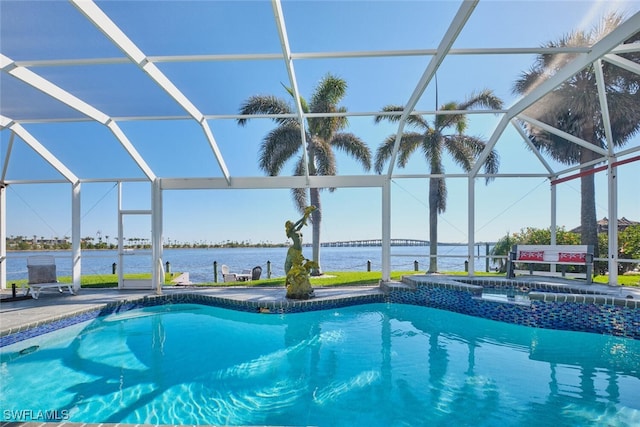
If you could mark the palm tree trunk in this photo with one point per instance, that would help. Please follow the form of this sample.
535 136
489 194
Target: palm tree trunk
588 219
316 218
433 225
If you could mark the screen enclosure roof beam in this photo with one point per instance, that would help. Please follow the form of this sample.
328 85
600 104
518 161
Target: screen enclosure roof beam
120 39
31 141
273 182
463 14
38 82
286 52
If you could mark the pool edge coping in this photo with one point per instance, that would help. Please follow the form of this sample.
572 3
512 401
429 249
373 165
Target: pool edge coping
274 306
336 297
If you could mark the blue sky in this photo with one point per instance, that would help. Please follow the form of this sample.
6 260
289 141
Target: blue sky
177 148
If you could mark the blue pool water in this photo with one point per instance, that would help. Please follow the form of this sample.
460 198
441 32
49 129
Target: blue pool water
373 365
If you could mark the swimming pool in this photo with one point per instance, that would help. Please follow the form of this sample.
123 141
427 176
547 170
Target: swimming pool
373 364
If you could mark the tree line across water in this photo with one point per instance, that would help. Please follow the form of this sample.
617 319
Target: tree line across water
21 243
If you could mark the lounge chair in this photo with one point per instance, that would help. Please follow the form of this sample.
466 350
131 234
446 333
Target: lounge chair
42 275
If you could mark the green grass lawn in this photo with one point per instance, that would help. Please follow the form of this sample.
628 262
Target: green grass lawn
332 278
101 280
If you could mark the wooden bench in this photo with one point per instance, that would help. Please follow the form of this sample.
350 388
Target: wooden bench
42 275
562 255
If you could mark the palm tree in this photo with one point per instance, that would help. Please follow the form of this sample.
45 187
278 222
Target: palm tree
433 139
574 107
322 136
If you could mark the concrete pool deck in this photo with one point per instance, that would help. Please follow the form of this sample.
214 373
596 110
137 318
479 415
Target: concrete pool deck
52 305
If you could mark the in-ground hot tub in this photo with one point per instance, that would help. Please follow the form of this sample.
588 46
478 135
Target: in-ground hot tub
542 304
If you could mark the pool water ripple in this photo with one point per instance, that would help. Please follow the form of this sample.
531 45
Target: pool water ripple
375 365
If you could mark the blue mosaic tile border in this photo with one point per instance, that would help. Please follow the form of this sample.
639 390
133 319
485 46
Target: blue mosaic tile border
586 312
556 288
271 307
550 306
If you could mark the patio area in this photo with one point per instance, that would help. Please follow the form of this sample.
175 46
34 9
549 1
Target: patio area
25 314
52 306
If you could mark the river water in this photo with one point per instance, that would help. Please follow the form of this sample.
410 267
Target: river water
199 262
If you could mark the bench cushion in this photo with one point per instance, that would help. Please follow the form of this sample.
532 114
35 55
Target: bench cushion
572 257
531 255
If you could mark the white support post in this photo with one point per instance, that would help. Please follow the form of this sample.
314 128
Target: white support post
156 237
76 251
3 237
471 224
554 215
120 239
613 221
386 230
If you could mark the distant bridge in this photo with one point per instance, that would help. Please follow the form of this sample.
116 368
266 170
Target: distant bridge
375 242
393 242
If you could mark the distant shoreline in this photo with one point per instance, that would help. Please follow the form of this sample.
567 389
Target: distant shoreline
243 246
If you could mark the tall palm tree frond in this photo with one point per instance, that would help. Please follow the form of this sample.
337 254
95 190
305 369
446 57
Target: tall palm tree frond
625 124
279 146
303 102
459 147
325 160
412 120
485 98
354 146
433 142
325 127
552 62
432 148
390 118
328 93
342 122
299 195
261 104
284 142
477 147
409 143
491 165
384 152
330 90
417 122
527 81
442 121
